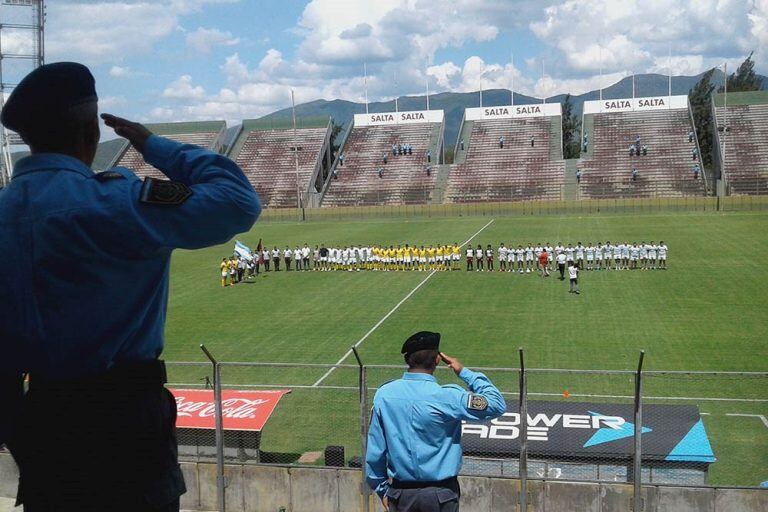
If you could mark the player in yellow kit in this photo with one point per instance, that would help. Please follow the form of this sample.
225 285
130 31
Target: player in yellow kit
456 256
224 271
399 258
439 257
430 257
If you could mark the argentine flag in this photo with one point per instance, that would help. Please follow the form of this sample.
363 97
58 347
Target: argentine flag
242 250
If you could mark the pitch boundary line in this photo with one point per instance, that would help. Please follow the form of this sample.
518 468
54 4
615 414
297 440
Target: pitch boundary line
759 416
384 318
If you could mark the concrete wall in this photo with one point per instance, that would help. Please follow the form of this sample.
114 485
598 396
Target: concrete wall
282 489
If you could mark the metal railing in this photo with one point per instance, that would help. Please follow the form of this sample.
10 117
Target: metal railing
634 426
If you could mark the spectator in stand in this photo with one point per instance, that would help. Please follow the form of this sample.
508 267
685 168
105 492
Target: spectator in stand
381 172
533 140
634 174
461 145
501 142
645 150
585 143
696 171
410 149
414 450
637 141
384 159
429 170
429 155
690 136
631 150
578 175
394 149
341 159
694 153
336 172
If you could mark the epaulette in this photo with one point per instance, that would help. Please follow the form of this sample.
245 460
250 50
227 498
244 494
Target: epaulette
108 175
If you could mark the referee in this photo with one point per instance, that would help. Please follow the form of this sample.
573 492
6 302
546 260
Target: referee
413 454
84 290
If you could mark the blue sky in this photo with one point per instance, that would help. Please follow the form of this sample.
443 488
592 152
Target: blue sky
173 60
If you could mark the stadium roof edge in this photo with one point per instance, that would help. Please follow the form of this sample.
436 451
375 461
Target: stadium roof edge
186 127
285 123
742 98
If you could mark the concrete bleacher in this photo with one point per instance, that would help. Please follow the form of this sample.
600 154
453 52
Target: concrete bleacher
266 155
745 168
404 179
206 134
667 169
516 172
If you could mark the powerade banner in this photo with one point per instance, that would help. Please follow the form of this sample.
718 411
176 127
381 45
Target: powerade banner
408 117
241 410
604 431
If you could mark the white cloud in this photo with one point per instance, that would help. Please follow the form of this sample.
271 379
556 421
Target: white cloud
203 40
182 89
120 72
108 103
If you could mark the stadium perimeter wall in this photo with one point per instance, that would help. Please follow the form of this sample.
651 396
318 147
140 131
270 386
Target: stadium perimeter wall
255 488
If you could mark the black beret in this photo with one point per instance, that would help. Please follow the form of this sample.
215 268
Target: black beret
47 93
423 340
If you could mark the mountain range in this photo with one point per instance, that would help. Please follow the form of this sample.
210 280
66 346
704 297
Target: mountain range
454 103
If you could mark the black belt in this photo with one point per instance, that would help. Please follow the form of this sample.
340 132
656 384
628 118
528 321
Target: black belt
450 483
136 374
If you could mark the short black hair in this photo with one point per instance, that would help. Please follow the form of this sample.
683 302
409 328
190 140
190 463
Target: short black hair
422 359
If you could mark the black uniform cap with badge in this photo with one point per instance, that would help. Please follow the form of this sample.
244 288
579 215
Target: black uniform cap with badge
422 340
43 98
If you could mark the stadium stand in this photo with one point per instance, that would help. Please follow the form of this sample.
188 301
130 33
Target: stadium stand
265 153
516 172
207 134
404 179
745 169
667 169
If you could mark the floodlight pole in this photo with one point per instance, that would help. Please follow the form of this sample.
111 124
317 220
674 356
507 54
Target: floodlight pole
512 88
363 391
299 201
221 482
725 121
365 85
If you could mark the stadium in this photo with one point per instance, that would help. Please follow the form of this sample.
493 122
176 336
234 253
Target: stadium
646 391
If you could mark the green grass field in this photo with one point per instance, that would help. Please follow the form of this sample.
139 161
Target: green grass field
706 313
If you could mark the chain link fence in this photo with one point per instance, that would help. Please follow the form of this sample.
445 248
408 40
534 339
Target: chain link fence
694 429
612 206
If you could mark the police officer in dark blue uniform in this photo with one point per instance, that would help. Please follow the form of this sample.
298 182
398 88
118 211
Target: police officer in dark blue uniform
413 454
84 286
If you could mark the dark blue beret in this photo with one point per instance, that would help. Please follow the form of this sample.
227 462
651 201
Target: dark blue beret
423 340
47 93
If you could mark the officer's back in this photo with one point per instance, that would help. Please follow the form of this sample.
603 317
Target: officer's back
84 288
415 433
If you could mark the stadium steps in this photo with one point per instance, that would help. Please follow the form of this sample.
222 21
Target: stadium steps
459 156
441 182
570 187
555 138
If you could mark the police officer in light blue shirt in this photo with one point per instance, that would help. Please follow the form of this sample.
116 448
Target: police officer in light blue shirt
413 453
84 289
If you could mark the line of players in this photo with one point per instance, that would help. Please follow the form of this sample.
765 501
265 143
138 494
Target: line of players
598 256
386 259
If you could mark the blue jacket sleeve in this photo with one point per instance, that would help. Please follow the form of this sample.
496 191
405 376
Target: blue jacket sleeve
223 202
463 405
376 456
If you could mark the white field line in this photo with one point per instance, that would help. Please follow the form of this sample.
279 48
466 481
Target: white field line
760 416
397 306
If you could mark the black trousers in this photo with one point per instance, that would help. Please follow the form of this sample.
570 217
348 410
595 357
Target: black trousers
98 447
434 498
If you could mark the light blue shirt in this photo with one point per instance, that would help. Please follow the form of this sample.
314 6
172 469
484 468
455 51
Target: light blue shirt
84 273
415 431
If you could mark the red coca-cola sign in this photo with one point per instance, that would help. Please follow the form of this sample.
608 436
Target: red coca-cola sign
241 410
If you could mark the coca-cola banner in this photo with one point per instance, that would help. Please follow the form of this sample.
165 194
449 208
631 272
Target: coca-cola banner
241 410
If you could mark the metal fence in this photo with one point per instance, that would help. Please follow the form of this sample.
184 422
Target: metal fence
607 206
670 427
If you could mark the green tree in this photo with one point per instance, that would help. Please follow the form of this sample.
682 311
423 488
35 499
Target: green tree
701 106
335 131
571 130
745 78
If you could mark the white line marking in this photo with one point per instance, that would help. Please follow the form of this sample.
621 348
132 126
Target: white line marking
762 418
397 306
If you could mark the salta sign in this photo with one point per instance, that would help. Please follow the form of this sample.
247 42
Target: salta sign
241 410
636 104
513 111
406 117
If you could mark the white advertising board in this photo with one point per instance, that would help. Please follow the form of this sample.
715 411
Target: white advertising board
408 117
512 111
636 104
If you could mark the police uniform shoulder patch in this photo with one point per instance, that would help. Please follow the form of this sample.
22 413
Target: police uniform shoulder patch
477 403
164 192
108 175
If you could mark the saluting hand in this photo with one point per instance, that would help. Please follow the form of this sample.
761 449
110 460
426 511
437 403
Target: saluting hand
136 133
385 503
452 363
